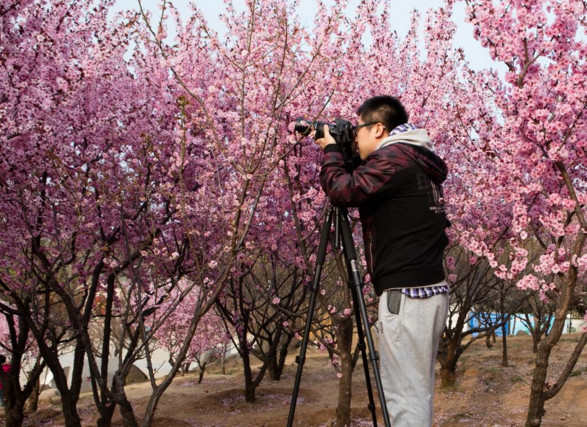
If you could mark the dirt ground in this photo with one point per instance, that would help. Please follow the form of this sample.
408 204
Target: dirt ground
486 394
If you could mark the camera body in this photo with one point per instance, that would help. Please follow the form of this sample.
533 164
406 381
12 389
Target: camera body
343 133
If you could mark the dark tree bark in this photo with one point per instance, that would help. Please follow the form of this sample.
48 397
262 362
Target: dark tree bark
252 380
13 400
344 334
106 414
277 354
128 416
490 339
202 371
504 347
540 391
15 395
33 401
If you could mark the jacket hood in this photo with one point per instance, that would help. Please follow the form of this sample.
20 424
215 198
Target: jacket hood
417 137
417 145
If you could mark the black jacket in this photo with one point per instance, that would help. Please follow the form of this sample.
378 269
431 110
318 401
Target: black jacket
399 194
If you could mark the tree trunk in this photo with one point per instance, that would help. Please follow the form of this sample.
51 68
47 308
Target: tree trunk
249 391
535 342
12 400
272 364
344 335
14 410
277 357
151 407
223 363
106 414
283 350
33 402
274 371
69 396
536 405
448 363
448 376
128 416
504 353
251 383
15 397
488 342
248 374
540 391
68 404
202 370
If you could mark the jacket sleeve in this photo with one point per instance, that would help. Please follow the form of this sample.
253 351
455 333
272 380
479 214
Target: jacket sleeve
359 186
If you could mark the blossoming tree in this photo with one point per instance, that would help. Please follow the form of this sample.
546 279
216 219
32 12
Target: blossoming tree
538 148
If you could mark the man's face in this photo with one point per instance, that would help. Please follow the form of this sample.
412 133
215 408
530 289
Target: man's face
367 137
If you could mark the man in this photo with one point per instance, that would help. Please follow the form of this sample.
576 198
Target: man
397 188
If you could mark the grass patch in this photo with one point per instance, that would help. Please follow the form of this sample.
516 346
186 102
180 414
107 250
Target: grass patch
493 371
578 372
449 388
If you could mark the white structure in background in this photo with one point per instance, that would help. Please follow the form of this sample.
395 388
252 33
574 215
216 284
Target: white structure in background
159 360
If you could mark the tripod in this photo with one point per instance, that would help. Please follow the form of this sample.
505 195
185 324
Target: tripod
342 230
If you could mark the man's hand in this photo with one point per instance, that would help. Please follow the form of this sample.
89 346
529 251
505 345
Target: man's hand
327 139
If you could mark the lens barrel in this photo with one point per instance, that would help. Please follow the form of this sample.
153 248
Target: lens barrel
305 127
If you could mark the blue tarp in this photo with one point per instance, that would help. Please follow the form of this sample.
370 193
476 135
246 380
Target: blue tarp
483 320
514 326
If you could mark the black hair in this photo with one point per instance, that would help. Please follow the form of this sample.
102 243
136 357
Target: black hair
385 109
2 358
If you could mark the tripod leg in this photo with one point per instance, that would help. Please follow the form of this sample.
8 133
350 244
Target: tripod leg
314 291
362 319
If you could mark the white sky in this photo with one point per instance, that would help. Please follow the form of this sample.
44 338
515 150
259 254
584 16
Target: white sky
477 56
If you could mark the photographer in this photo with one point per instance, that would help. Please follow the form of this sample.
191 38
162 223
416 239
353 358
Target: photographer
397 188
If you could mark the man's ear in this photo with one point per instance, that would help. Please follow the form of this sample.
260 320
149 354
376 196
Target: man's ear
380 130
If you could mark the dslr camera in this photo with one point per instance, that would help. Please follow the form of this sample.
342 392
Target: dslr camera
343 133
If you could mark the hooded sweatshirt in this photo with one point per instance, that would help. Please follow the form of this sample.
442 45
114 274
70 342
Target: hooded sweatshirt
398 189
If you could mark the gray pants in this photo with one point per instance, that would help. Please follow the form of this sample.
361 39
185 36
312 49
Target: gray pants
408 343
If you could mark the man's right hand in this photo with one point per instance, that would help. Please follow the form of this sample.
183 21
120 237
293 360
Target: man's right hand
327 139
